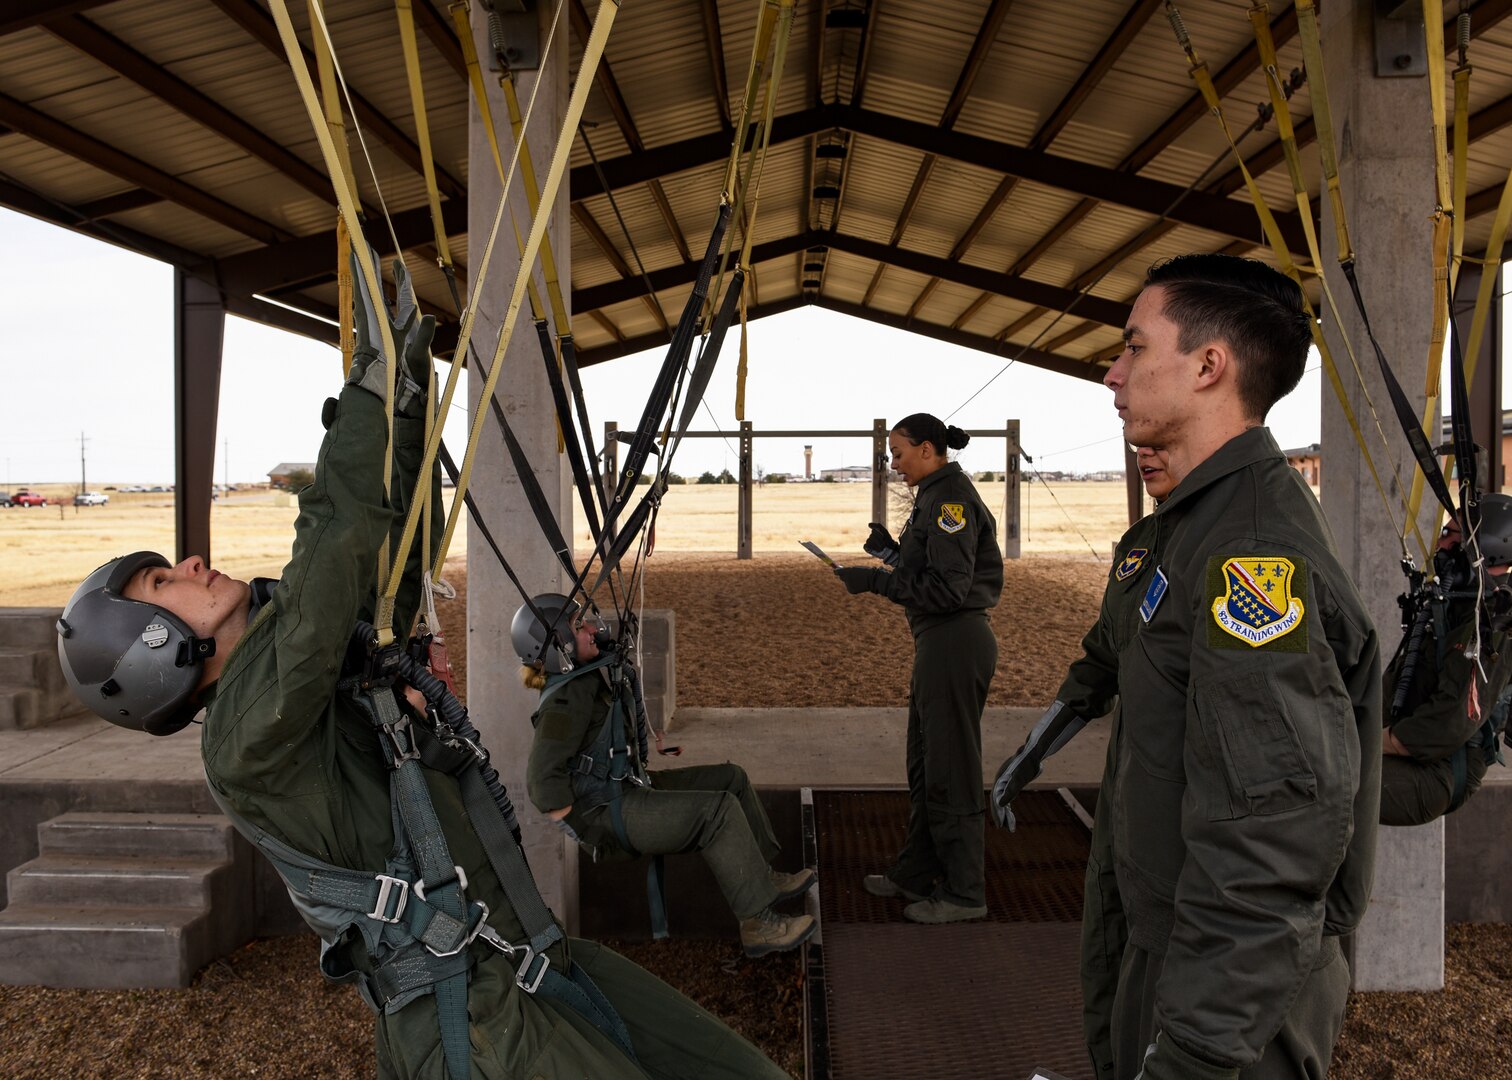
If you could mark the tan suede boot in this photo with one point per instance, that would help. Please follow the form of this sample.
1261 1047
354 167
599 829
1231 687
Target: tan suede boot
768 932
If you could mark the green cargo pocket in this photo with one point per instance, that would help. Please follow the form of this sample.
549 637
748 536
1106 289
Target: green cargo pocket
1248 728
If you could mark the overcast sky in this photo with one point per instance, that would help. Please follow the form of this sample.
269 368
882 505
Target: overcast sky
91 351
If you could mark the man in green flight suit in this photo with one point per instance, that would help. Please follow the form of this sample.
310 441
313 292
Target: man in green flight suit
291 754
1244 785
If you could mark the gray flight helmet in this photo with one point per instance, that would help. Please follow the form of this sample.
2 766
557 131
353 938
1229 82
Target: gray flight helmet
529 636
132 663
1495 533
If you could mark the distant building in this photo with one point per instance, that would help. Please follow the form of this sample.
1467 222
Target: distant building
847 472
1307 460
279 475
1506 449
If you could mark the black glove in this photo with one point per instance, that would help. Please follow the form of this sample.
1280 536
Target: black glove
858 579
881 545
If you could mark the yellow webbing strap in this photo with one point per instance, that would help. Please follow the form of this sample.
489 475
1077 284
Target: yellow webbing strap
740 370
1203 79
593 51
344 293
1460 166
533 200
406 14
335 119
341 179
1281 109
1312 59
1443 225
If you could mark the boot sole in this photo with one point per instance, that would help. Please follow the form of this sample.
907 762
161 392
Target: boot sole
967 915
754 951
898 892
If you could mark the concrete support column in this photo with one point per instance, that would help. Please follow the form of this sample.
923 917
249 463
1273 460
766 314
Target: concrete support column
1383 130
1012 539
499 705
199 321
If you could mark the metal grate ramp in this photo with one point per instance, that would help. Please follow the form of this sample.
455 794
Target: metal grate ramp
993 998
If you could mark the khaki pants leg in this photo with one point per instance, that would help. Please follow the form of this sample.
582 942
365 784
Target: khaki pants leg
727 777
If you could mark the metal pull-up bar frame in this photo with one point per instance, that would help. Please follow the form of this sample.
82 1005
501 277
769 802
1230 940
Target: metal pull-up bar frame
1009 523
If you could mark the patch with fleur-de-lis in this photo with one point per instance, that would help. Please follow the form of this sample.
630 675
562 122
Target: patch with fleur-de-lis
1258 602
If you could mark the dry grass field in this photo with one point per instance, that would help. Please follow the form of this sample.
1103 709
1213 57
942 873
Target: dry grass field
45 552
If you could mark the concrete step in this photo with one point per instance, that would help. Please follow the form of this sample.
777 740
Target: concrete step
22 708
88 881
104 948
31 666
184 836
34 628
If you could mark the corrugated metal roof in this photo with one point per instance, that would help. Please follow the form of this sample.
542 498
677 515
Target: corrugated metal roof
896 61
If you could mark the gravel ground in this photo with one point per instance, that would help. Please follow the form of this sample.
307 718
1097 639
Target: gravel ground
748 633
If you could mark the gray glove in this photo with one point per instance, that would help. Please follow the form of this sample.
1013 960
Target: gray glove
881 545
412 336
1052 731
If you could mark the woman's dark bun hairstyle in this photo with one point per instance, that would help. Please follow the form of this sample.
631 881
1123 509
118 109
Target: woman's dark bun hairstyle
922 427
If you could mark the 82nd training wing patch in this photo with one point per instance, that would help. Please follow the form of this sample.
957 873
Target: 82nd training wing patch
1257 602
952 517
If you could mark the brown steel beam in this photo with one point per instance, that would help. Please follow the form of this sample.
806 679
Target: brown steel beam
159 82
16 15
199 318
441 35
33 203
102 156
1283 28
609 86
1064 365
253 19
589 224
714 41
110 205
986 34
631 346
309 258
608 324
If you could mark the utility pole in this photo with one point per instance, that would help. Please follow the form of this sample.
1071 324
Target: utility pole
83 483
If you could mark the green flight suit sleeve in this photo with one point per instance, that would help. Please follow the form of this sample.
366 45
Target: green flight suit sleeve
937 558
1443 721
1273 763
342 521
1091 683
562 728
409 448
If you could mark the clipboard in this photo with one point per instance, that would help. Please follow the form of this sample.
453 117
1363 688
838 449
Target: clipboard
819 553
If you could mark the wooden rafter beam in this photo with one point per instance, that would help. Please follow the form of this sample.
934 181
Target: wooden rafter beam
17 15
631 346
441 35
589 224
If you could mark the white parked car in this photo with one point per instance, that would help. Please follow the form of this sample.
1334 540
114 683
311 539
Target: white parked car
91 498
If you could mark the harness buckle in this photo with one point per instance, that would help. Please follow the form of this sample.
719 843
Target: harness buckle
461 883
386 888
480 913
583 764
402 743
527 979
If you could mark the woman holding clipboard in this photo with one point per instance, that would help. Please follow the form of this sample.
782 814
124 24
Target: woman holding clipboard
945 571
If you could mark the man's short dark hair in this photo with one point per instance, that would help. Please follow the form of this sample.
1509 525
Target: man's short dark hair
1257 311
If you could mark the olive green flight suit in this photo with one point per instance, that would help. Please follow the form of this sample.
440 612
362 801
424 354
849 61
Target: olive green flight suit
710 809
1090 689
295 758
949 573
1438 724
1245 790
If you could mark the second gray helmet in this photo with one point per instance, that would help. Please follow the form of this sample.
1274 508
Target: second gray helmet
1495 535
529 636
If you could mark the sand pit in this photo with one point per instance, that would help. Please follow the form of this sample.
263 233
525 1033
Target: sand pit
779 630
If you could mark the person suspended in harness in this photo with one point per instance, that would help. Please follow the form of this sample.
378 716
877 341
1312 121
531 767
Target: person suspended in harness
361 779
1445 687
588 772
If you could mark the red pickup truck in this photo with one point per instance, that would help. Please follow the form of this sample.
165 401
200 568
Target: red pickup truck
28 498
